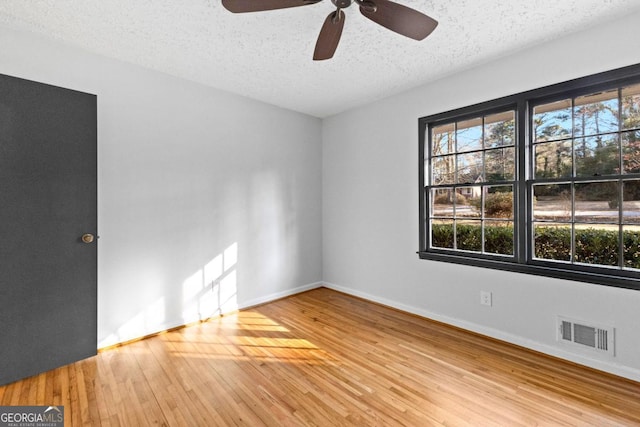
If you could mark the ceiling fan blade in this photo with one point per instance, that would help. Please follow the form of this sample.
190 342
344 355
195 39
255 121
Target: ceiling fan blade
398 18
329 36
242 6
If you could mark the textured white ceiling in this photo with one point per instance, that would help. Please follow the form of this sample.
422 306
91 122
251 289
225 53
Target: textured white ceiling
267 55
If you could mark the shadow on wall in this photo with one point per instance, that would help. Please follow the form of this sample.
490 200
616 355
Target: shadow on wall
211 291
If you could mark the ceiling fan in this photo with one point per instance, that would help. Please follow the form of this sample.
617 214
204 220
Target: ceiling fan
393 16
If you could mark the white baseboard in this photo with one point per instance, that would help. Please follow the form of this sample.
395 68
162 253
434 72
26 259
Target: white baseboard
612 368
277 295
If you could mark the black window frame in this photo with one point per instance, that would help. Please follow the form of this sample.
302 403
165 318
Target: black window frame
523 260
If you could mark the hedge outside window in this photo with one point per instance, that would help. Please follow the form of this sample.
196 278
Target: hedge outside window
545 182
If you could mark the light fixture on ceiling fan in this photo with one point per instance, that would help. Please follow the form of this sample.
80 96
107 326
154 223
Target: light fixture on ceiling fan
393 16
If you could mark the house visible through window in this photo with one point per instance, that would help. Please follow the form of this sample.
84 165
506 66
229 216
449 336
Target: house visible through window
545 182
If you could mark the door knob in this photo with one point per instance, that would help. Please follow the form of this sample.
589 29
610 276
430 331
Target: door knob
87 238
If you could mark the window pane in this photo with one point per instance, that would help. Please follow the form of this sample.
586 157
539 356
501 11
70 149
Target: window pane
469 167
442 140
499 129
498 202
631 152
468 202
552 202
552 241
553 159
631 107
469 235
442 234
552 121
597 244
597 155
498 237
442 202
427 181
596 113
631 203
631 236
597 202
469 135
443 170
500 164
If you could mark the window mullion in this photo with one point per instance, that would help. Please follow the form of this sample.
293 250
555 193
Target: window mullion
572 258
620 184
620 223
522 216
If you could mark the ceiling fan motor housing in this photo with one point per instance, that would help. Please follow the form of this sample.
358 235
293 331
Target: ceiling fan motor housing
342 4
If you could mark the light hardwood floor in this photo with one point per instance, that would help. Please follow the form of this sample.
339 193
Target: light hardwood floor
323 358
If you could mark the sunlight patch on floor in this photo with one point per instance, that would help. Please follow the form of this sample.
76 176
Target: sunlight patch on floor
244 336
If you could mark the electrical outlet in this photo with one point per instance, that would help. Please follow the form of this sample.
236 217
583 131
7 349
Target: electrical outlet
485 298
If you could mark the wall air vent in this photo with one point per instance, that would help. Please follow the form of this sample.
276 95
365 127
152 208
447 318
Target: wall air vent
586 335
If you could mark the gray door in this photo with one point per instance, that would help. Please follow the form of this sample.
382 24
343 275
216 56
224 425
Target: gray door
48 201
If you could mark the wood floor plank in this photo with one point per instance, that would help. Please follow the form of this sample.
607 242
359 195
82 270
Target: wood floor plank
323 358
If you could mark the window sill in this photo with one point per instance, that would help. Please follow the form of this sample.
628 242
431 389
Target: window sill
626 279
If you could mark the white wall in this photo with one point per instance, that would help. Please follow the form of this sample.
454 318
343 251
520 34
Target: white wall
198 189
370 209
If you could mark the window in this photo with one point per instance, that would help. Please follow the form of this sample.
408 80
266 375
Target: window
472 179
544 182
